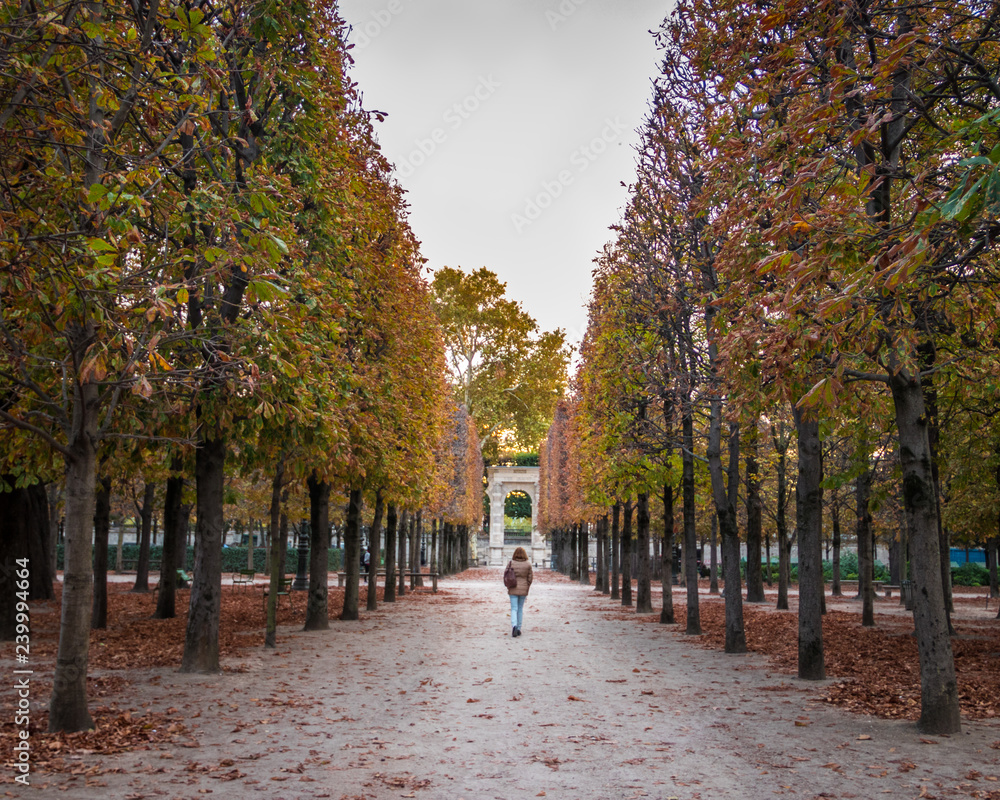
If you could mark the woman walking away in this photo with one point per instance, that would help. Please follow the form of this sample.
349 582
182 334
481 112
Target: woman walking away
519 593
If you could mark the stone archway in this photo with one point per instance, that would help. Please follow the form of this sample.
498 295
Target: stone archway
500 482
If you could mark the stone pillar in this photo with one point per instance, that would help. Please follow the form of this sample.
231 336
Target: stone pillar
496 490
537 542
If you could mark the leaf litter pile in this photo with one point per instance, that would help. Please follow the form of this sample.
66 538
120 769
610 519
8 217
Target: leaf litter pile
133 640
874 670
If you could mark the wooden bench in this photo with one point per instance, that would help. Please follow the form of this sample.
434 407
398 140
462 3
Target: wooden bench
888 588
284 590
342 577
244 578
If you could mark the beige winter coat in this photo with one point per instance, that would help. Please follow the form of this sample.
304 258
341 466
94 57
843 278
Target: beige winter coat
524 577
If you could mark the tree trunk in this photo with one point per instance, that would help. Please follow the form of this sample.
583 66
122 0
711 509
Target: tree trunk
690 530
283 534
317 607
24 534
627 554
574 554
375 552
391 521
755 579
991 564
599 553
54 494
927 359
465 547
416 531
145 535
68 706
835 525
713 574
644 589
616 511
401 558
866 565
433 557
201 642
667 557
102 528
809 529
781 521
584 540
274 558
607 545
939 711
352 555
172 543
993 544
724 491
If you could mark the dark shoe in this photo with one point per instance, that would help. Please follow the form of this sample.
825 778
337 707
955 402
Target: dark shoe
513 632
517 631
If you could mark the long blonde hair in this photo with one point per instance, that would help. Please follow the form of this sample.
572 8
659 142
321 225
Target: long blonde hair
520 554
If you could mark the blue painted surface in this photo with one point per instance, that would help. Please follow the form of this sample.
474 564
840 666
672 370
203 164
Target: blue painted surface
977 555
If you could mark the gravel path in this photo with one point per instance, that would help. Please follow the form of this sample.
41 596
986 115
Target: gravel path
432 698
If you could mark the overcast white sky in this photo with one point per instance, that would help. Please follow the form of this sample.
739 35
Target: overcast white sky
511 124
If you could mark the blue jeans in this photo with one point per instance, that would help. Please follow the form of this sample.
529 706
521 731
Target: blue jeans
517 610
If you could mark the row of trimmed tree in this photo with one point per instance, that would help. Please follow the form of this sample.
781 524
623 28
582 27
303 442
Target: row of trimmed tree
809 247
208 270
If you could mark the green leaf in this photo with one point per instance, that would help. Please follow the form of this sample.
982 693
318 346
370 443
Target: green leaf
96 192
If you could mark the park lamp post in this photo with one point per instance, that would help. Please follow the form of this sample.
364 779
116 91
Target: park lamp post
301 582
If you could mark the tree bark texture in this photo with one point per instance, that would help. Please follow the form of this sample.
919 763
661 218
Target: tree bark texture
68 704
102 529
863 533
201 641
277 543
667 557
616 566
391 521
644 589
781 521
173 543
352 555
627 553
375 552
835 526
755 578
693 622
404 535
145 536
725 507
809 526
939 711
24 534
317 607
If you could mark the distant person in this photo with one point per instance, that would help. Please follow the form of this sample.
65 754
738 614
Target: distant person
366 559
522 568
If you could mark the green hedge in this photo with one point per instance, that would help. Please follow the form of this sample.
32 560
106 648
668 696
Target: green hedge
971 574
233 558
848 569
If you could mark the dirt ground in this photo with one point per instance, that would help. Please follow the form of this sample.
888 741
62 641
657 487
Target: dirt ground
432 698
